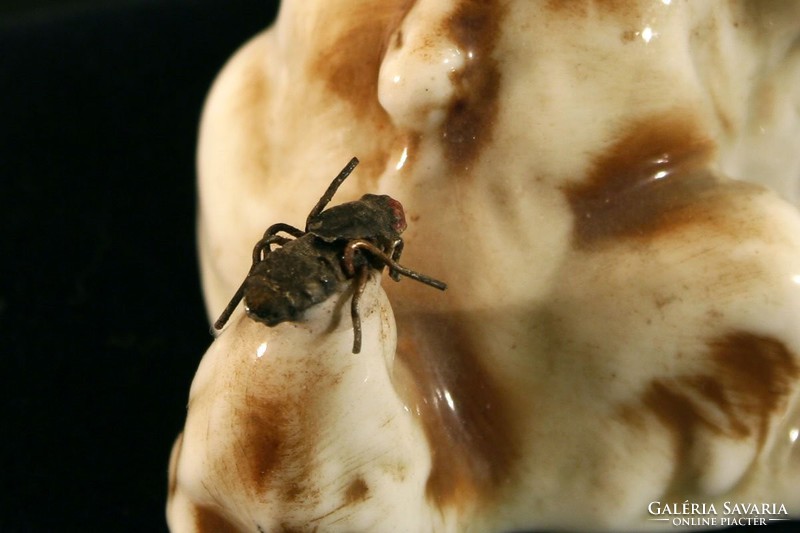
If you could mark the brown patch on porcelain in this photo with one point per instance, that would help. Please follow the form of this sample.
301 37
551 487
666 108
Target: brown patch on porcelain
761 370
683 418
276 433
269 427
357 491
568 7
627 9
651 181
351 44
209 520
748 382
398 471
474 26
712 392
461 408
351 40
254 93
251 108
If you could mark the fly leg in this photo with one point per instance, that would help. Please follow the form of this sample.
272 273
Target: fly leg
263 247
359 283
349 263
286 228
360 271
226 313
397 249
271 237
331 190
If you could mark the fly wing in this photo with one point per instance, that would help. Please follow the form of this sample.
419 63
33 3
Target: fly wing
361 219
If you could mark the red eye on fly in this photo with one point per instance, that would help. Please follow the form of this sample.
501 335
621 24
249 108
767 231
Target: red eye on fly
399 215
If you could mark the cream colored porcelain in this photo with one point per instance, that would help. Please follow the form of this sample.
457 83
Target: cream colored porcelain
287 428
622 323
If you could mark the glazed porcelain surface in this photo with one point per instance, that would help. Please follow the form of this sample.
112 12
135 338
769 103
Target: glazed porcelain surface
610 190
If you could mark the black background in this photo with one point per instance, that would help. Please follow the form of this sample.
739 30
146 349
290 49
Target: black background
101 319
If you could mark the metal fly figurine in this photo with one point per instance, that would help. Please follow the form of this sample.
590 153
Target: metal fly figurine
338 244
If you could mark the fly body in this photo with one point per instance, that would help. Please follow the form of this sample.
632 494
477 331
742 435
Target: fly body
308 266
291 279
